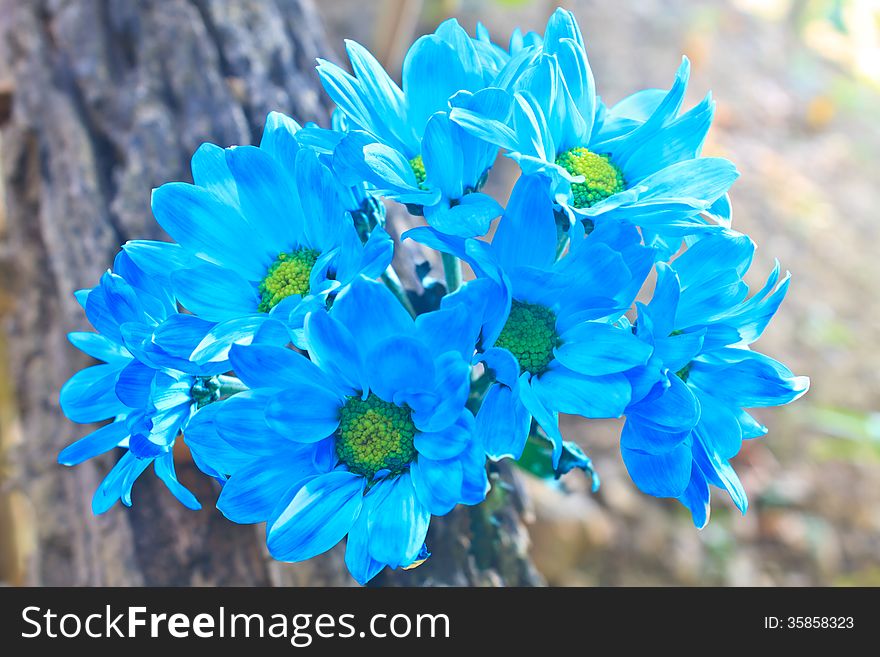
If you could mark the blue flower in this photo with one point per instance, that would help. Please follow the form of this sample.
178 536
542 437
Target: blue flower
402 142
367 438
686 420
639 163
265 235
550 332
149 402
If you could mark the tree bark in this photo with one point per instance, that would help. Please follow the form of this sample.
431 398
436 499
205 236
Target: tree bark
109 99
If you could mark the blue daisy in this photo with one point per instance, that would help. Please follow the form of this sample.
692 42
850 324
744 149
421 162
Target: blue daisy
402 142
368 438
265 236
136 384
686 420
638 163
550 332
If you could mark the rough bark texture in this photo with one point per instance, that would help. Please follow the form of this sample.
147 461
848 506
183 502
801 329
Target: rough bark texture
108 100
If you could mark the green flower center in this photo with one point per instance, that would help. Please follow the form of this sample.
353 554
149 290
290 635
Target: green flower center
418 168
530 335
602 178
375 435
288 275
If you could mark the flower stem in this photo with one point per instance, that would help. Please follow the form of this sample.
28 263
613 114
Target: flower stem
393 282
452 272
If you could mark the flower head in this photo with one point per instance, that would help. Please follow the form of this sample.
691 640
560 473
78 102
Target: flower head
401 140
639 163
136 385
550 333
265 235
368 439
686 419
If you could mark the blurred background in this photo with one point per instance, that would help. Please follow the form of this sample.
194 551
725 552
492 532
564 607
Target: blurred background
798 90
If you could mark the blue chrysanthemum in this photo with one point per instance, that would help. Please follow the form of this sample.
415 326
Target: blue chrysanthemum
136 385
642 165
265 235
402 142
550 332
368 439
687 419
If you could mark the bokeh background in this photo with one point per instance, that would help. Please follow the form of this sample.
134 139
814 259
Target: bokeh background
798 90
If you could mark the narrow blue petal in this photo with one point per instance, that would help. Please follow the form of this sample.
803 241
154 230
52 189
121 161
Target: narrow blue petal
696 498
252 493
371 313
502 364
470 217
596 348
113 303
447 443
526 234
661 475
134 384
503 423
304 413
211 229
241 421
567 391
90 394
216 343
157 259
681 140
98 346
117 484
437 483
546 417
317 518
718 428
213 455
442 156
214 293
164 468
399 364
268 366
357 554
280 138
398 524
209 170
703 179
265 195
475 483
718 471
444 404
99 441
321 202
678 350
451 328
333 348
432 72
562 25
636 435
746 378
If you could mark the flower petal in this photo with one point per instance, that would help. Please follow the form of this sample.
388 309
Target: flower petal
597 348
398 524
304 413
317 518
